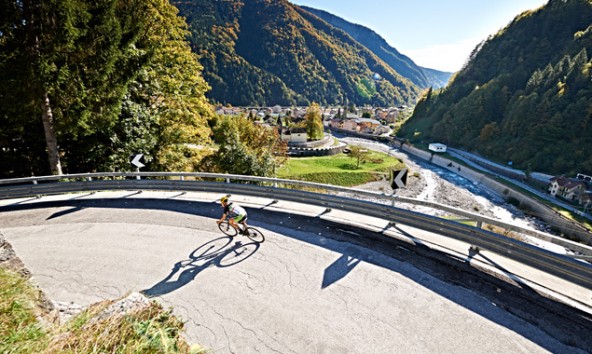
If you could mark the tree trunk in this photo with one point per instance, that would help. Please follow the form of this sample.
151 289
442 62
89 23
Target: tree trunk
32 15
50 136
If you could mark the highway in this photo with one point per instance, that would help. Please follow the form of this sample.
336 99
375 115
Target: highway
322 282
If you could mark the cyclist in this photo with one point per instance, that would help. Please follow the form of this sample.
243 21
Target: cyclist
235 214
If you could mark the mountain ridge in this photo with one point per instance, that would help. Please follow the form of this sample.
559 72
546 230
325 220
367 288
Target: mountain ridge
262 52
422 77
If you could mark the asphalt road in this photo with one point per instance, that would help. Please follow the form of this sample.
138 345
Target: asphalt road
314 285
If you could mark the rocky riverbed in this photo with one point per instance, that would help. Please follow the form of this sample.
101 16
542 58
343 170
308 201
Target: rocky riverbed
431 183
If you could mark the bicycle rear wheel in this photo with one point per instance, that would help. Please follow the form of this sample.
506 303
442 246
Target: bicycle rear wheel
227 229
255 235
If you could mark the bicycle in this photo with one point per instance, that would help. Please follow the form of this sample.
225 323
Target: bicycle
252 233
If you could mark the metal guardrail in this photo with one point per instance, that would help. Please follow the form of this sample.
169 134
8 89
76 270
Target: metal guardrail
382 206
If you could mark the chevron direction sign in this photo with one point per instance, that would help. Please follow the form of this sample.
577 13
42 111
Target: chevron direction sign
136 161
398 178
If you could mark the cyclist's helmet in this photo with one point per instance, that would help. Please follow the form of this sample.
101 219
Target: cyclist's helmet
224 199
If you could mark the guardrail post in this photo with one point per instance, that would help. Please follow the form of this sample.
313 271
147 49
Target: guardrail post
36 196
227 180
182 178
89 179
479 224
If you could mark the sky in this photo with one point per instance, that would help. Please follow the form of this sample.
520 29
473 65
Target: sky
436 34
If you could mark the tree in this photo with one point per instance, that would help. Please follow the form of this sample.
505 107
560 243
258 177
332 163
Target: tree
176 92
358 153
108 78
245 148
34 33
71 61
313 122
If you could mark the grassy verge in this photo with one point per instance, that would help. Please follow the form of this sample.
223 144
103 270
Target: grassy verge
20 331
341 169
149 329
574 217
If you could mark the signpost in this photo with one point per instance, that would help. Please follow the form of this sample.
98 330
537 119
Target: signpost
136 162
398 178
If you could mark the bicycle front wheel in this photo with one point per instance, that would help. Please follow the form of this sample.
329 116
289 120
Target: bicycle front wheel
255 235
227 229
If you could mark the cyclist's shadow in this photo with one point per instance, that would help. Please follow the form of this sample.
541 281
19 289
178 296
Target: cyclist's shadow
220 252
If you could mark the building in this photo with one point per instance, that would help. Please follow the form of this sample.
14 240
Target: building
567 188
293 135
586 200
366 125
437 147
349 124
584 177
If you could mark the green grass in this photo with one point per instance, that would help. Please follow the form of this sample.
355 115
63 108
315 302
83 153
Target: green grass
20 331
339 169
150 329
574 217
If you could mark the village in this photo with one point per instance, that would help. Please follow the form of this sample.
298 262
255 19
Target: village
376 121
367 120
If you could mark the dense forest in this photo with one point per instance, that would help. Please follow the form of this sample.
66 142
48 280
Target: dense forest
263 52
402 64
524 96
86 84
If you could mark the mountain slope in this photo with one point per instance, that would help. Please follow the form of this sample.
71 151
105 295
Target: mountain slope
436 78
525 96
263 52
402 64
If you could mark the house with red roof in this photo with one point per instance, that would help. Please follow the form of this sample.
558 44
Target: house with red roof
567 188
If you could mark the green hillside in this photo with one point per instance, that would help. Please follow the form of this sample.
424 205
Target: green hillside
263 52
402 64
525 95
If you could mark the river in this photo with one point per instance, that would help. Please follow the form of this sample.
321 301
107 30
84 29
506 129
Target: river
446 187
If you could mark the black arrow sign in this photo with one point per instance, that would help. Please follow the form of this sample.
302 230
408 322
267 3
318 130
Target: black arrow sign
136 161
398 178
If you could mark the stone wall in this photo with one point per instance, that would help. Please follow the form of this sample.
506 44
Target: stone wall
327 151
385 139
327 140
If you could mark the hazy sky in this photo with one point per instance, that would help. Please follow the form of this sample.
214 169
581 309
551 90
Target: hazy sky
436 34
